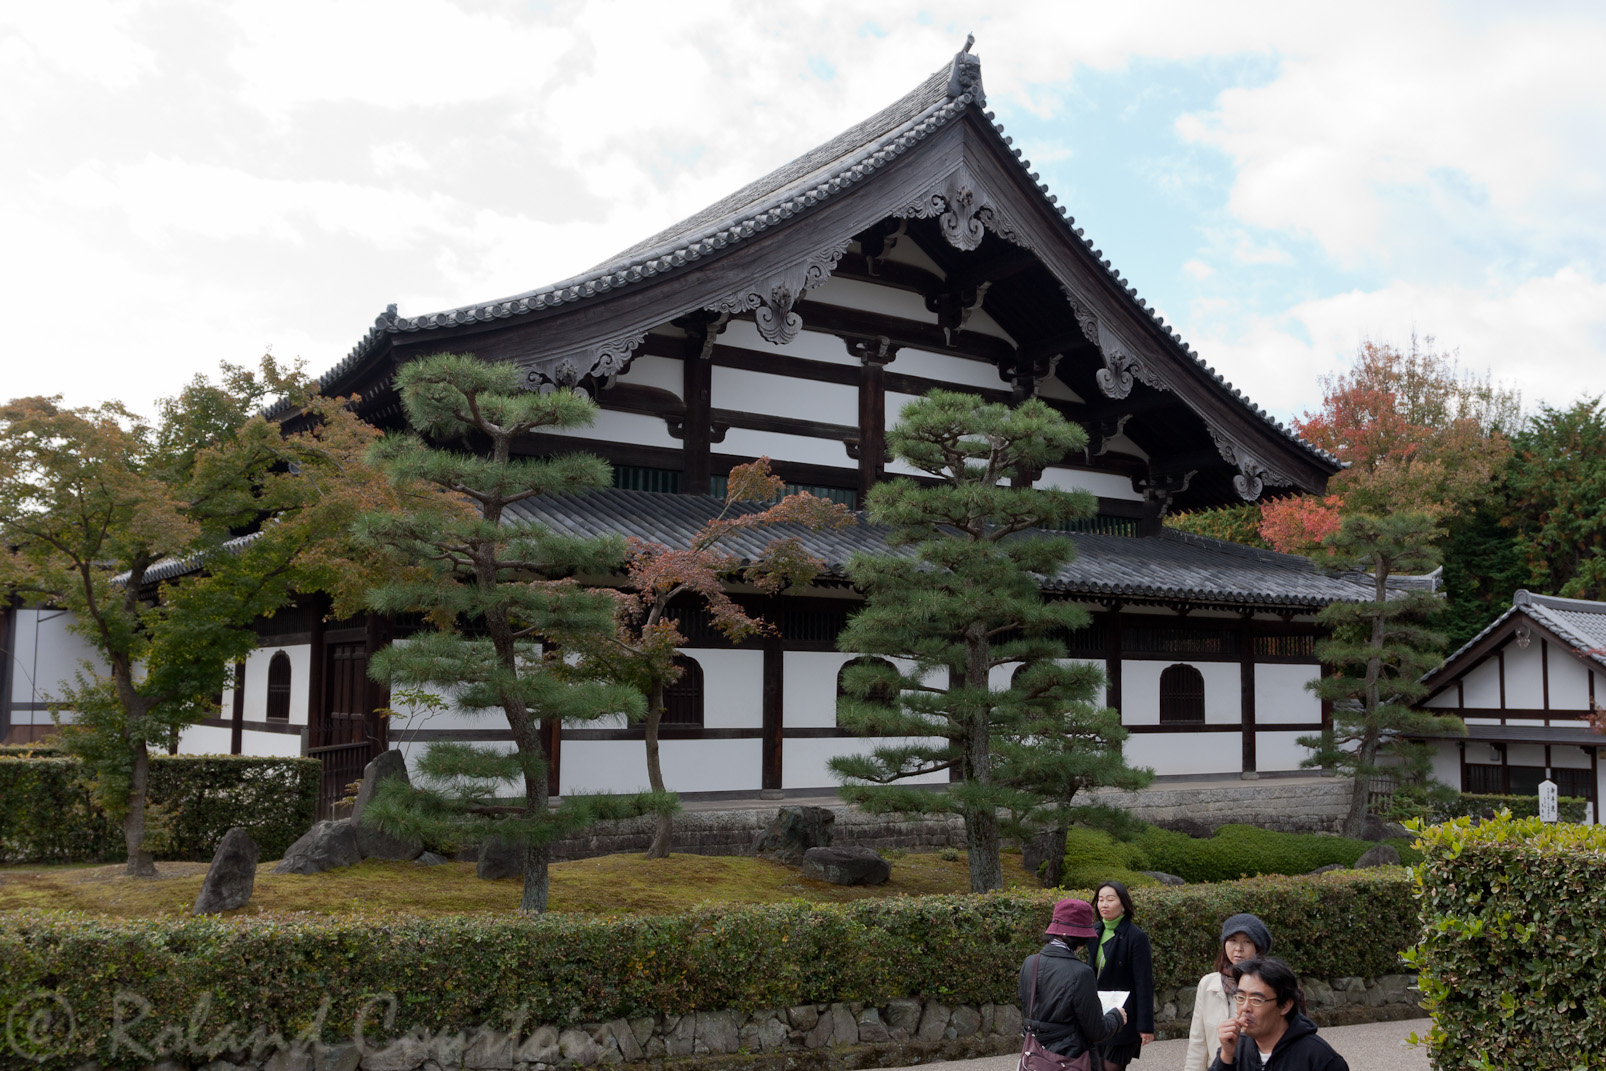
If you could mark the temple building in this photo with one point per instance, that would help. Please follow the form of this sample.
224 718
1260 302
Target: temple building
793 319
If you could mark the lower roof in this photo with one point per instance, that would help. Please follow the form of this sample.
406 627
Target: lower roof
1169 567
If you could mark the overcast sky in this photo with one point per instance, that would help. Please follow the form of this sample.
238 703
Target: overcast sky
187 183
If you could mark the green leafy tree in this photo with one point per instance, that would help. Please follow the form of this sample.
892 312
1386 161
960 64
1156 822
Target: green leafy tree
957 597
1556 498
1235 524
505 604
1379 650
660 579
92 499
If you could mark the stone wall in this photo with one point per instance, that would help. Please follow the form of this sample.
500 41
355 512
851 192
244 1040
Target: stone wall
809 1037
1305 805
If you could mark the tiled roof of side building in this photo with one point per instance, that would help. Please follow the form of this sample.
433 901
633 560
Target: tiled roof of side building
817 175
1170 566
1580 622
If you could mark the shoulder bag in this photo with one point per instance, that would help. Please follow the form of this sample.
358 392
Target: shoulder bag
1033 1057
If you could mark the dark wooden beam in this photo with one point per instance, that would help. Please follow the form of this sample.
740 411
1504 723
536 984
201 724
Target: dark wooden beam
774 714
697 394
237 724
856 325
1246 691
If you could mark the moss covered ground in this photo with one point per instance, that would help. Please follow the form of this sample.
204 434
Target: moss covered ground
612 884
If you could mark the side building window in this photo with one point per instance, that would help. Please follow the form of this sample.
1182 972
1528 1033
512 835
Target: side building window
683 700
1182 698
884 692
279 687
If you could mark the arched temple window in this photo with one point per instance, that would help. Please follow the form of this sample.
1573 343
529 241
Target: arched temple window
683 700
279 687
1182 696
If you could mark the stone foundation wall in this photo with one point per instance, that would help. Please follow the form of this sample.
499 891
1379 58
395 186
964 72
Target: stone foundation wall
1308 805
809 1037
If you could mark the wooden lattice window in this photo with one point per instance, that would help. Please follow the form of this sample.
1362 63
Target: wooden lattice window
683 700
1182 696
279 687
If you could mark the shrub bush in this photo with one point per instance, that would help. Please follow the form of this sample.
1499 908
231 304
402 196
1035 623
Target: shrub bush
1245 851
1473 805
1092 856
47 813
456 973
1512 958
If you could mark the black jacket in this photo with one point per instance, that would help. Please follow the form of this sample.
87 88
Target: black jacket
1299 1049
1128 965
1066 1016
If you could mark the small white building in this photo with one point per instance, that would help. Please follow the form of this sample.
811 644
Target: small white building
1524 686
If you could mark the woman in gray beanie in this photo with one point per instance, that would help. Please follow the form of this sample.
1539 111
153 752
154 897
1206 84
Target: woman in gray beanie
1243 937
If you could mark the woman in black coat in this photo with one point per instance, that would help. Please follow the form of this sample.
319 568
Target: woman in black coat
1121 955
1058 993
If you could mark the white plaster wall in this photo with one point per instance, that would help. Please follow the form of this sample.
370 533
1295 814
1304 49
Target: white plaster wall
1481 721
803 762
1000 676
688 765
775 395
733 687
1525 755
1186 753
903 251
1054 387
1279 752
814 345
1447 763
1482 686
868 297
1444 699
1140 692
1525 685
808 689
611 426
45 654
256 683
665 373
1568 757
1280 693
744 443
960 372
208 740
1569 681
1104 484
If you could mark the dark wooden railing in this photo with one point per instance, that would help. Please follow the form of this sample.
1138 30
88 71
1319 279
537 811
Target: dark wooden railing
342 765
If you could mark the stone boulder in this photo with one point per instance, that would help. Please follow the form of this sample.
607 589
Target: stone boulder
430 859
846 866
794 831
1163 878
1330 867
374 843
1378 855
1044 856
232 875
1377 829
371 842
500 859
382 767
325 846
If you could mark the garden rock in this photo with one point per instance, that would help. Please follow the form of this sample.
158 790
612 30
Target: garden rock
1044 857
501 859
490 1050
716 1033
903 1013
846 866
382 767
374 843
541 1047
793 832
1007 1020
431 859
871 1028
804 1016
326 846
966 1022
1377 829
1378 855
1329 868
1318 994
578 1046
232 875
933 1022
1163 878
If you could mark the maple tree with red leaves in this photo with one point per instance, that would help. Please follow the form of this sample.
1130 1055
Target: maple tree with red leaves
661 580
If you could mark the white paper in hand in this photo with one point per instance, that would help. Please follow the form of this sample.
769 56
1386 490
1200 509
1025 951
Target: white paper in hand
1113 998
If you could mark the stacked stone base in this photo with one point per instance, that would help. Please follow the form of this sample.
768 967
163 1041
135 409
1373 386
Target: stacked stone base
809 1037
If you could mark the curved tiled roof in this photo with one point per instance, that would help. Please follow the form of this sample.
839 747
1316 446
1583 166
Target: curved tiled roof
1169 566
813 178
1580 622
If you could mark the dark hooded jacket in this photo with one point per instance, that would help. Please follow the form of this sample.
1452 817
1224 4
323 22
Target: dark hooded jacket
1299 1049
1066 1017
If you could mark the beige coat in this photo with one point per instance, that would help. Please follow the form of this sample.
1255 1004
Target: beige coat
1211 1008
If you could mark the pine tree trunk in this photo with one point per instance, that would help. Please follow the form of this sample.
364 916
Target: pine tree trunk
981 826
664 829
981 834
533 901
1355 820
140 863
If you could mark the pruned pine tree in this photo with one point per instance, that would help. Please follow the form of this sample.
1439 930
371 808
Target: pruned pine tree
504 604
956 597
1379 650
660 579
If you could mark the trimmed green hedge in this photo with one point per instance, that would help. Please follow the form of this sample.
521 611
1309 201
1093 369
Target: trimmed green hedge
1093 855
1512 959
47 813
458 972
1472 805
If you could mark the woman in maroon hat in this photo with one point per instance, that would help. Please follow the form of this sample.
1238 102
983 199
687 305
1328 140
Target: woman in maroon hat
1059 991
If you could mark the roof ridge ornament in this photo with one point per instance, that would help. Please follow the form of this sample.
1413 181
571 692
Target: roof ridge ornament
965 74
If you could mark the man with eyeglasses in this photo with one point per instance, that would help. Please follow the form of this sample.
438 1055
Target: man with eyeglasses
1270 1031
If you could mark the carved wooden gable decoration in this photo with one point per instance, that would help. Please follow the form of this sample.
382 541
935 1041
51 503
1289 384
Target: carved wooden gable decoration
934 170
